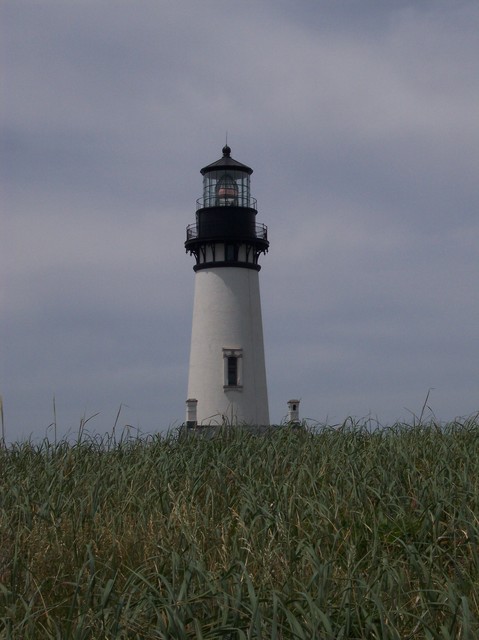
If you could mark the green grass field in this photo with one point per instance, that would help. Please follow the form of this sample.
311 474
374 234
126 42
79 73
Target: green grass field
324 534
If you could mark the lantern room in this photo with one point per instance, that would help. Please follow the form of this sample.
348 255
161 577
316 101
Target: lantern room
226 183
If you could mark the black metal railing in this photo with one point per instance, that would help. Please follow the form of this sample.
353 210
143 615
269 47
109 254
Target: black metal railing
237 201
192 231
260 231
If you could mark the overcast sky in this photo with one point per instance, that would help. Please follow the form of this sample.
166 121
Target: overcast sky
361 122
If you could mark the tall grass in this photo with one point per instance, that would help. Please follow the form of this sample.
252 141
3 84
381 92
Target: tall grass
337 533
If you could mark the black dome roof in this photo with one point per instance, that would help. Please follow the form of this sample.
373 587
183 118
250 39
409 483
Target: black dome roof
226 162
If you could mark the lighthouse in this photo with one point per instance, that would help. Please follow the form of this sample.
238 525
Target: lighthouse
227 373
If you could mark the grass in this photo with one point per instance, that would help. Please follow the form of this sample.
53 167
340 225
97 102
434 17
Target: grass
324 534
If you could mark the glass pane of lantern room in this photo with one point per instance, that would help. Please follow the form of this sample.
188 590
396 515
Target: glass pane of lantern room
242 182
209 188
227 190
226 187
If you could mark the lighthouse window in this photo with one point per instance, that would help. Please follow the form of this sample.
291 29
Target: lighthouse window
232 371
233 366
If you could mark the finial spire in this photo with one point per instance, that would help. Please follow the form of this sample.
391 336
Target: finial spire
226 148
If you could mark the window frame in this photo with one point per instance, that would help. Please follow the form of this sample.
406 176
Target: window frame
228 354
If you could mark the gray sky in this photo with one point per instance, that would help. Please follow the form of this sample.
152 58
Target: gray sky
360 120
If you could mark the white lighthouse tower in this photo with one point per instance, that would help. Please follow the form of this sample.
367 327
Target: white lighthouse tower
227 374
